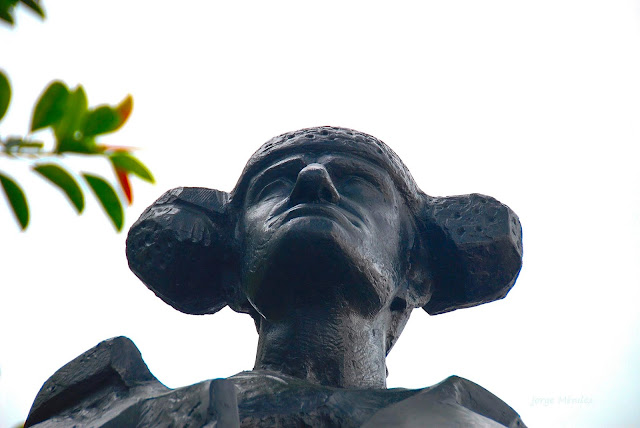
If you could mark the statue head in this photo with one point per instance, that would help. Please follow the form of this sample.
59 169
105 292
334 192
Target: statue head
325 217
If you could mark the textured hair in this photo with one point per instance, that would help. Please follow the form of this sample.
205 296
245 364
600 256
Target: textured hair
332 139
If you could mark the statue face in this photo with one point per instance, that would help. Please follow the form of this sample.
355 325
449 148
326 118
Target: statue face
321 228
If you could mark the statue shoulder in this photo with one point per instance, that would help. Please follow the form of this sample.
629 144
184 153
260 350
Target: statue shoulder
453 402
111 386
99 378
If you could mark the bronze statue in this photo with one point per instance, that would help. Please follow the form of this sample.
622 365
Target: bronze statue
329 244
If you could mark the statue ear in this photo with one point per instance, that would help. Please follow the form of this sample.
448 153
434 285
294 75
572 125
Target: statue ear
182 249
475 251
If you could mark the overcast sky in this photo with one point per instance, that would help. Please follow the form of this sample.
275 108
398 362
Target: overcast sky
534 103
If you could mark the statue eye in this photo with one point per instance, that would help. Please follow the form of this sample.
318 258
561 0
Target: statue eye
279 187
358 186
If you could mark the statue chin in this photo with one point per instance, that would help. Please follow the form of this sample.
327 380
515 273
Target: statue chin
312 262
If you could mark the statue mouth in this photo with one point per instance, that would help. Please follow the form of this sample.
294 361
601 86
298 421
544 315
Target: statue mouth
321 210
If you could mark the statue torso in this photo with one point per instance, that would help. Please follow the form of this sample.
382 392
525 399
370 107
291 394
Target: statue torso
110 386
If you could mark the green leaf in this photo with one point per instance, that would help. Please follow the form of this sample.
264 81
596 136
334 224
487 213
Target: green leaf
124 109
35 6
50 107
6 8
101 120
5 94
75 110
64 181
127 162
105 119
17 200
108 199
68 131
77 144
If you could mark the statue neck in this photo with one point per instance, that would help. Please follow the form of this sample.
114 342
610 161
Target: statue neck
332 348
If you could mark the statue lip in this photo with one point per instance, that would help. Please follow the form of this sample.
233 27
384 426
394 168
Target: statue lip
324 210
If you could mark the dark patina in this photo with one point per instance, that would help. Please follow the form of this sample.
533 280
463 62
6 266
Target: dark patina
329 244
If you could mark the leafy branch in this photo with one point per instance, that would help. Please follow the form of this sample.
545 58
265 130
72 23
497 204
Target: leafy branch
7 8
75 128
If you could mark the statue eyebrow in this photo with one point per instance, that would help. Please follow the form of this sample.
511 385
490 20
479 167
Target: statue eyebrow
283 166
360 166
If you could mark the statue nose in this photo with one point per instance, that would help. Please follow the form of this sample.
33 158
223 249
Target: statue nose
314 185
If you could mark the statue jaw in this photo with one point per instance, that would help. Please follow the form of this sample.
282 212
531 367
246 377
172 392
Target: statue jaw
313 261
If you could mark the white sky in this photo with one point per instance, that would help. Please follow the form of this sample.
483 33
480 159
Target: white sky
534 103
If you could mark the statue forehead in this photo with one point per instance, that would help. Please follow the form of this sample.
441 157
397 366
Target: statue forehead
334 161
316 142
